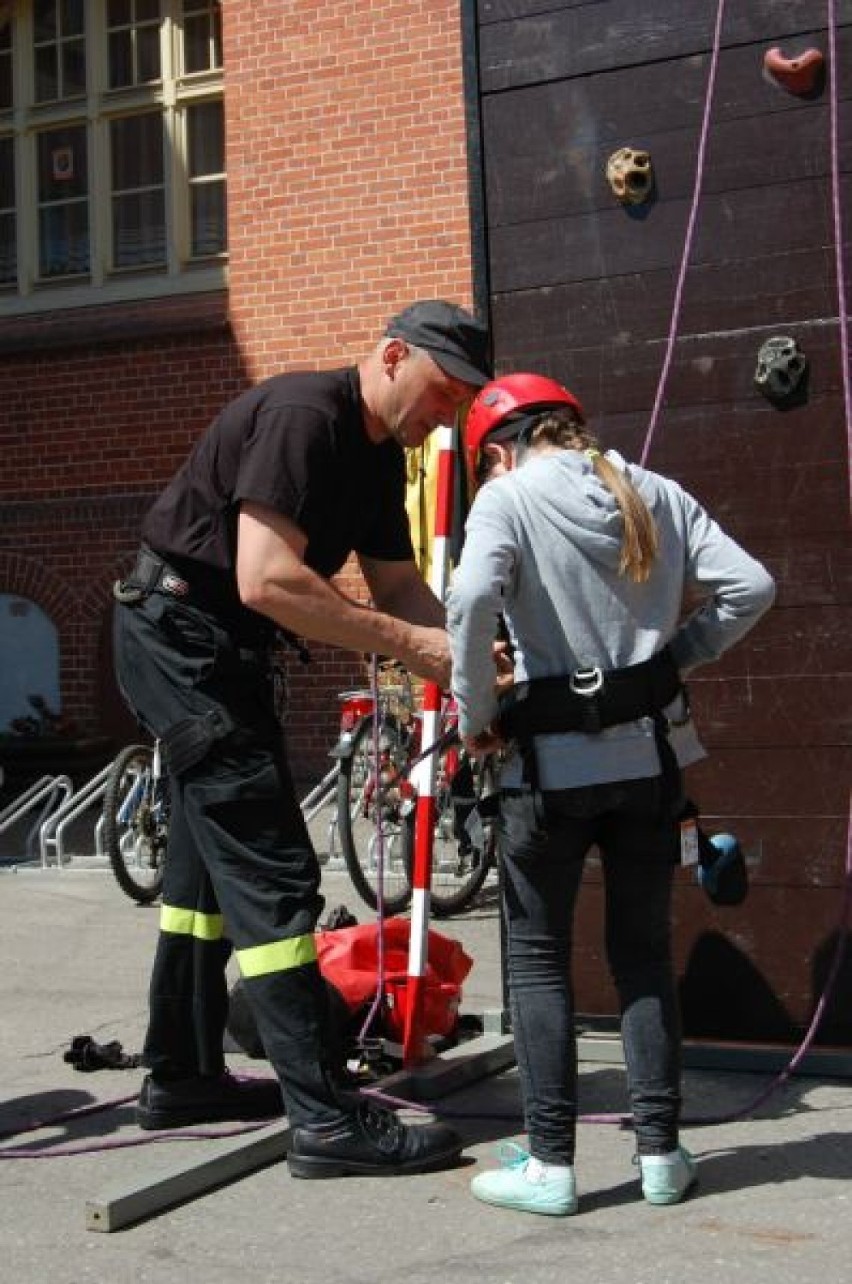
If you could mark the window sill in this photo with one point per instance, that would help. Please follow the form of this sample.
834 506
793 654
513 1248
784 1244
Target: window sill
118 320
118 289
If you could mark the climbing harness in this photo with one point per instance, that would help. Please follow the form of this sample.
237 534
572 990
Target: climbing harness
590 700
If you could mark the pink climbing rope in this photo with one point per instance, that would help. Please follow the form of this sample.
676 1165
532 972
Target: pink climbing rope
689 236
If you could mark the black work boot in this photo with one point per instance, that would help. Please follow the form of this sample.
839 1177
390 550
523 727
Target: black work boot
178 1103
371 1142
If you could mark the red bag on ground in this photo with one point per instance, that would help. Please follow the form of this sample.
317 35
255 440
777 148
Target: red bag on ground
349 958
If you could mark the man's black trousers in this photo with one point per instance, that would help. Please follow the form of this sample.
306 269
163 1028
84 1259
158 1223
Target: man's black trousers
240 868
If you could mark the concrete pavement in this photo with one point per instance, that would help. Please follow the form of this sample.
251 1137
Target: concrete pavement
773 1202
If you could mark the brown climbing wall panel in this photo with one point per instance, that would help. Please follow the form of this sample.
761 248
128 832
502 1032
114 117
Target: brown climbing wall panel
581 288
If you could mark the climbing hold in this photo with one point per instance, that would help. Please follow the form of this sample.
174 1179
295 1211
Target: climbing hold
798 75
630 175
781 367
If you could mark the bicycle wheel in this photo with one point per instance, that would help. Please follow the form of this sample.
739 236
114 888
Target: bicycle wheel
135 824
464 841
368 815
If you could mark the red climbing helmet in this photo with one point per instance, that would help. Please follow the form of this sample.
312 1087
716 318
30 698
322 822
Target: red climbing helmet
498 402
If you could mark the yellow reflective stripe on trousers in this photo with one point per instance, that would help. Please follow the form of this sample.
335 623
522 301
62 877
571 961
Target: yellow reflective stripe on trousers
186 922
277 956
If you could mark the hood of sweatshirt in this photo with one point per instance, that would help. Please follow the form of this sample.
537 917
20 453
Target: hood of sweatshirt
562 490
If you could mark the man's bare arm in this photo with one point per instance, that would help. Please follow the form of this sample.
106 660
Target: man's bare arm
272 578
399 589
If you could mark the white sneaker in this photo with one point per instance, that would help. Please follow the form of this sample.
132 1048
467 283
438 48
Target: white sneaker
527 1185
667 1178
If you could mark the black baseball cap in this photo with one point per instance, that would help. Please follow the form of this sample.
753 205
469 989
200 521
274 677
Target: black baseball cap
453 337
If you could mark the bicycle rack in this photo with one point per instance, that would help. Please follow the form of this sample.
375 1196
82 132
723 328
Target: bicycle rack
47 790
52 831
320 796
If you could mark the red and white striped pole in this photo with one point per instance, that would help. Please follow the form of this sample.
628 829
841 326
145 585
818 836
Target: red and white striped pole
424 776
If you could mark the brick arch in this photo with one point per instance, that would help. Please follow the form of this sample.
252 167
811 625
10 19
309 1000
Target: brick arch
78 612
95 603
98 594
32 579
28 578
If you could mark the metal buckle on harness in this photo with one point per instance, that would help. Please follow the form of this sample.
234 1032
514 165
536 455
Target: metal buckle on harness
585 682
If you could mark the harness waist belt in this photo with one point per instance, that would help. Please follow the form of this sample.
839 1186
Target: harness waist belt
589 700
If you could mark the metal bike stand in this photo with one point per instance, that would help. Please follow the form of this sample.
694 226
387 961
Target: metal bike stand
51 791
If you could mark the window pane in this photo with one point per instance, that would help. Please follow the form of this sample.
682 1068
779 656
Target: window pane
209 230
196 44
7 174
139 229
205 123
147 10
5 79
217 36
8 250
44 19
137 151
46 74
119 13
62 164
120 56
148 53
73 23
5 64
60 51
63 240
73 69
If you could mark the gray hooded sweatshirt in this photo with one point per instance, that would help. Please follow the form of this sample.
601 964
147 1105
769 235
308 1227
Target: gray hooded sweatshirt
542 547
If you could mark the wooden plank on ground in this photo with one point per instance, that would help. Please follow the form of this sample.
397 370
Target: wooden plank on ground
453 1069
138 1200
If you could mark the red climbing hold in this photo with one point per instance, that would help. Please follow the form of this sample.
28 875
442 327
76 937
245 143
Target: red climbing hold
799 75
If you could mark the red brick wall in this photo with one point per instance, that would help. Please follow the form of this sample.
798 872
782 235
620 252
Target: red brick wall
111 418
347 172
347 189
91 426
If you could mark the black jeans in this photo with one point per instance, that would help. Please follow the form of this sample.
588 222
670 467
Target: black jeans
542 868
240 868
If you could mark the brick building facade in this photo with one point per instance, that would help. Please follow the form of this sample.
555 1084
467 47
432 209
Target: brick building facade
347 196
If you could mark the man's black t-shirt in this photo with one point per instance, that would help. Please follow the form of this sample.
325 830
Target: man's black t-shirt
297 444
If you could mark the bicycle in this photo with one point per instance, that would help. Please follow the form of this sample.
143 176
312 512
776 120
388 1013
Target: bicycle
136 818
136 821
370 810
376 802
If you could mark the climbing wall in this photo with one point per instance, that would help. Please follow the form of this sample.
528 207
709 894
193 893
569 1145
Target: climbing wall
581 287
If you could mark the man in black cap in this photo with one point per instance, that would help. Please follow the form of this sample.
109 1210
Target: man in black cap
290 478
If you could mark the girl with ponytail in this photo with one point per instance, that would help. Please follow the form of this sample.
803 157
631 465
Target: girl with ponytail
586 560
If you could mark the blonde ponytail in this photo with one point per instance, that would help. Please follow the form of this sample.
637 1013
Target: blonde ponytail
639 542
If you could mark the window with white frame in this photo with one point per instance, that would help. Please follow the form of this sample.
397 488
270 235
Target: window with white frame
112 171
